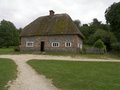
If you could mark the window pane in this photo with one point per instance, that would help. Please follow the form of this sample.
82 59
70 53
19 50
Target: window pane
55 44
68 44
29 44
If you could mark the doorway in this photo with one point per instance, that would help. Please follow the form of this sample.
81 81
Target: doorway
42 49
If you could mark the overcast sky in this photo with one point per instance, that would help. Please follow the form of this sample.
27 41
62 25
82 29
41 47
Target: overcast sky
22 12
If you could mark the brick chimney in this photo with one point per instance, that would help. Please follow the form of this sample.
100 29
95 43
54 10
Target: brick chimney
51 13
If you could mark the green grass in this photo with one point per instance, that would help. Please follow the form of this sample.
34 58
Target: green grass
6 50
100 56
71 75
7 72
11 51
92 56
72 54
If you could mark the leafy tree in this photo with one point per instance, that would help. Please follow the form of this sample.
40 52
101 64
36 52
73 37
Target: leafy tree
116 47
107 37
100 45
77 23
19 30
95 26
85 30
96 23
8 34
90 29
112 15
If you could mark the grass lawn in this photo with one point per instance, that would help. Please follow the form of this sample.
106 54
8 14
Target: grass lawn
10 50
71 75
6 50
7 72
92 56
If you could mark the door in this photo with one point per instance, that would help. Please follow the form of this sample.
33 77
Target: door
42 46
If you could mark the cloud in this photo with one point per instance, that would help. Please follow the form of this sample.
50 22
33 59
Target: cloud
22 12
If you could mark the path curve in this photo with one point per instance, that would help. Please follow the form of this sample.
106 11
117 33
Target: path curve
28 79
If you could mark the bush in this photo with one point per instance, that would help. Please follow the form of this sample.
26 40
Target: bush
17 49
100 45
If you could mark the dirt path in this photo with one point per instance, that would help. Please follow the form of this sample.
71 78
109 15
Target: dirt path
28 79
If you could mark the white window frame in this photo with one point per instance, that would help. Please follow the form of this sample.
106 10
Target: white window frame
55 44
31 42
68 44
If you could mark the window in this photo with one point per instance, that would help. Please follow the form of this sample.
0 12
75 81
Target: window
55 44
68 44
29 44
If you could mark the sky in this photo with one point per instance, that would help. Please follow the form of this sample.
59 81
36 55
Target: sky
23 12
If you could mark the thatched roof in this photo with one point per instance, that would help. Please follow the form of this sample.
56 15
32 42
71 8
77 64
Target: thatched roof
58 24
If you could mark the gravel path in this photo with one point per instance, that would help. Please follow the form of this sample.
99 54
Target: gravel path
28 79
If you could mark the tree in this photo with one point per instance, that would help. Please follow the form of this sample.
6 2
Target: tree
94 25
8 34
96 22
85 30
107 37
97 30
77 23
19 30
100 45
116 47
112 15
